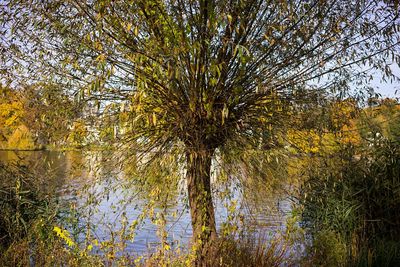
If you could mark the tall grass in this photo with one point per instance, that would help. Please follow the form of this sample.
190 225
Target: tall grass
230 251
354 197
26 218
20 203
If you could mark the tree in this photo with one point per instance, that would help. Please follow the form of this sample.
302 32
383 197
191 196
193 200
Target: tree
381 121
13 132
43 110
11 111
205 76
50 113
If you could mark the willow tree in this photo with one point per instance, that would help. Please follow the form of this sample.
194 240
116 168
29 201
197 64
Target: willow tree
205 75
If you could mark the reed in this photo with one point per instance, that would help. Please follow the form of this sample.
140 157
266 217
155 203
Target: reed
354 196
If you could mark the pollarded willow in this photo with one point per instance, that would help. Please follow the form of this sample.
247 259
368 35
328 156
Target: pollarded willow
203 75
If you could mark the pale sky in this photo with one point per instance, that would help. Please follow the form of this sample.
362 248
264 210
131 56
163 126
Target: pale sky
388 89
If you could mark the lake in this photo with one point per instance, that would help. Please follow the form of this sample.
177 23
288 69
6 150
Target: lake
96 185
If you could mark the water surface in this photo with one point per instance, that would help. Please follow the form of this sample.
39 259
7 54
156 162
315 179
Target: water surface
110 198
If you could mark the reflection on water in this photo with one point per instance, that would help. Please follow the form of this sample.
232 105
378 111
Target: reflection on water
95 181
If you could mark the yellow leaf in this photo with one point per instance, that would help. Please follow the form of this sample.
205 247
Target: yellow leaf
101 58
98 46
229 18
128 27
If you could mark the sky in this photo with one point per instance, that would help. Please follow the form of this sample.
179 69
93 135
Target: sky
387 89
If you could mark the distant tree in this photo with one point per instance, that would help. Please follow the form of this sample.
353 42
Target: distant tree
49 112
394 128
44 110
388 114
11 111
205 76
380 121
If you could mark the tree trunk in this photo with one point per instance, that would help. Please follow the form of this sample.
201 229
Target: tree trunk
200 201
